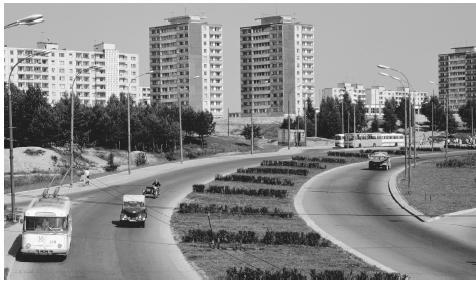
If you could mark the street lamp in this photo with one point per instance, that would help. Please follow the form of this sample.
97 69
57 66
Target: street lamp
412 119
30 20
71 157
10 123
432 113
129 121
405 119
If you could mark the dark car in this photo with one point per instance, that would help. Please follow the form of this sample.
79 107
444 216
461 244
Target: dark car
151 191
380 160
133 209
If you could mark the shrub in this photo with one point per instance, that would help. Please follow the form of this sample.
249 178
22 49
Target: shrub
247 273
54 158
141 159
192 155
277 193
199 188
293 164
272 170
318 159
111 166
255 179
31 152
170 156
246 210
457 163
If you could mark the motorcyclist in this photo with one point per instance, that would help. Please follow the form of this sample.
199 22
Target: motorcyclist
156 184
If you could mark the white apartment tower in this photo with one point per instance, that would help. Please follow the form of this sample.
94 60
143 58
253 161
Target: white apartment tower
377 95
186 56
54 73
277 66
356 91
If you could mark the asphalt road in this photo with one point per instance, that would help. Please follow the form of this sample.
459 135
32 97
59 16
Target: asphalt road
103 250
353 205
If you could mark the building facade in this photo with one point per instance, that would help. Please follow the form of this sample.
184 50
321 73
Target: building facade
55 72
377 95
144 95
457 76
186 56
277 63
356 91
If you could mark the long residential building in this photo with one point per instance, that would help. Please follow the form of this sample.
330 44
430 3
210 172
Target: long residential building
457 76
356 91
277 66
186 56
55 72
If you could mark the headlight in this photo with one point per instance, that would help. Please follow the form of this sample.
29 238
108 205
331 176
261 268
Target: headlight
28 245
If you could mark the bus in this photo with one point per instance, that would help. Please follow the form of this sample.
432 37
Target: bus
47 225
376 139
339 138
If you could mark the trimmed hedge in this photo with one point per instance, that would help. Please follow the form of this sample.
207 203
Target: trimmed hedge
246 210
199 188
454 163
462 146
250 237
247 273
273 170
277 193
255 179
294 164
317 159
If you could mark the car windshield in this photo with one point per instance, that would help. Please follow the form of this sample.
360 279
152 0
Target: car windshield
37 223
133 204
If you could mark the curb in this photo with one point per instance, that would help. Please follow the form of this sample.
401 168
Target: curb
298 199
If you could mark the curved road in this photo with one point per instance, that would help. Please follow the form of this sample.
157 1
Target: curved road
103 250
353 204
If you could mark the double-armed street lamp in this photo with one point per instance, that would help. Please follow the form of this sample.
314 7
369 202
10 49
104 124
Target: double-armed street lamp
71 157
129 120
30 20
432 113
407 153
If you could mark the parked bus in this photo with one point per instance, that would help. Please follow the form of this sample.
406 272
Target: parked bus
47 225
339 140
365 140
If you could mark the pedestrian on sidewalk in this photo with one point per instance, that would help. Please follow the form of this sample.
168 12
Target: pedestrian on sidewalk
86 176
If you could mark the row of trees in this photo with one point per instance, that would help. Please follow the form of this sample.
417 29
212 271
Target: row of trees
153 128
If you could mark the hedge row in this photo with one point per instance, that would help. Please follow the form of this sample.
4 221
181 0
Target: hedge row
246 210
318 159
248 273
452 163
255 179
294 164
250 237
277 193
463 146
273 170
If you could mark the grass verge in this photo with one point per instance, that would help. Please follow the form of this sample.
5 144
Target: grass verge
214 261
435 191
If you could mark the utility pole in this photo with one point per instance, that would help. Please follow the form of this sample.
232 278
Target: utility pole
432 118
315 123
305 125
289 127
447 111
414 133
252 133
228 122
180 129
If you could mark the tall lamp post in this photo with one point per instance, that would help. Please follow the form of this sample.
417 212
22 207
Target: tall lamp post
71 157
129 120
30 20
412 119
432 113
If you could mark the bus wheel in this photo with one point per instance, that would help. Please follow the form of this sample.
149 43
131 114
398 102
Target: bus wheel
375 145
396 144
360 145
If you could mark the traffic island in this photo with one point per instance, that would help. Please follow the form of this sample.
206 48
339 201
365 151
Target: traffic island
440 187
244 225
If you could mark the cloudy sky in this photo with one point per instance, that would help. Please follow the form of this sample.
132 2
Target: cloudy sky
351 38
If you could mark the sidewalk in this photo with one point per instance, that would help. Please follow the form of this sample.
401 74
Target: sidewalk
11 245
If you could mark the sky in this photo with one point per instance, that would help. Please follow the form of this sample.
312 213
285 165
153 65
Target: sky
351 39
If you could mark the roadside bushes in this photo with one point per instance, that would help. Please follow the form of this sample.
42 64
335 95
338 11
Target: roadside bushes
318 159
250 237
218 189
111 166
273 170
456 163
294 164
255 179
247 273
141 159
246 210
199 188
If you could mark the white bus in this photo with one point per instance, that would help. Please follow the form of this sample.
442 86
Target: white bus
339 140
47 225
364 140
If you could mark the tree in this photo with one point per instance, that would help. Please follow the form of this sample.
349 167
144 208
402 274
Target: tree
465 112
246 132
374 126
204 125
400 111
329 118
389 115
439 115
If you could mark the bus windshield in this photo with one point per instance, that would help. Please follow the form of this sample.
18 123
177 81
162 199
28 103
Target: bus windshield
37 223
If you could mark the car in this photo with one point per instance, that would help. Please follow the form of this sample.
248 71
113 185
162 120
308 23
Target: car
380 160
151 191
133 210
